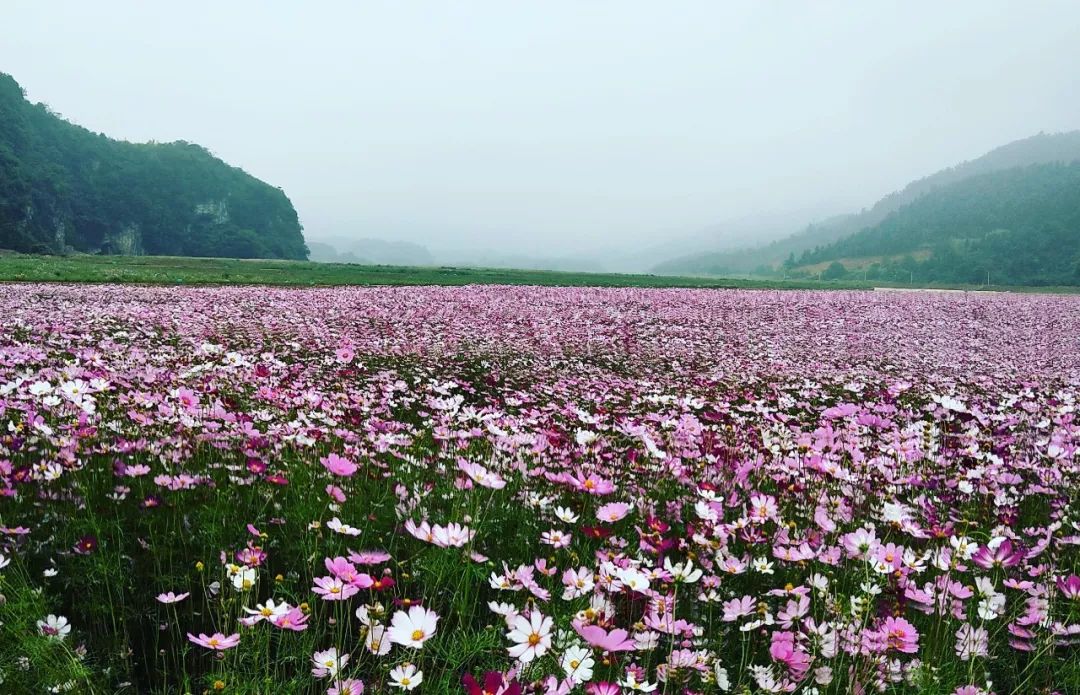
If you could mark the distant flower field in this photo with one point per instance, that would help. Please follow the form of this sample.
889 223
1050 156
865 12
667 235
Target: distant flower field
498 490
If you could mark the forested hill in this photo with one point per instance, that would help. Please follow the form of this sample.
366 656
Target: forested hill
1042 148
1021 225
64 188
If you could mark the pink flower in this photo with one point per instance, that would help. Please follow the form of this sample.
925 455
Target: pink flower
333 588
216 641
369 557
592 484
347 572
344 354
971 642
335 493
351 686
784 650
737 608
293 619
612 512
617 640
900 635
338 465
170 597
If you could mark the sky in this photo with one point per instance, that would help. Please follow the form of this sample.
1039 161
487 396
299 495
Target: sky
559 127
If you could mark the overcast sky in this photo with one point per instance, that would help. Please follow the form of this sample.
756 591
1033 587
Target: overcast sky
552 126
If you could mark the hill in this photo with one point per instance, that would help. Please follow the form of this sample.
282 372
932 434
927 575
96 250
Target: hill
766 259
1021 225
64 188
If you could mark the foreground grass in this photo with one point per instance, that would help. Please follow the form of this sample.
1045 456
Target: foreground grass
172 270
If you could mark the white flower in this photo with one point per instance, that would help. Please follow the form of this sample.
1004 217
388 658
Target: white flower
632 579
722 680
963 546
244 578
376 641
763 565
532 636
55 627
578 664
406 676
683 572
631 683
336 524
267 611
40 388
566 515
414 628
328 663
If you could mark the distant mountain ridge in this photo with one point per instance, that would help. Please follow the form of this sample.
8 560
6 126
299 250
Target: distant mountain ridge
1037 149
64 188
1018 226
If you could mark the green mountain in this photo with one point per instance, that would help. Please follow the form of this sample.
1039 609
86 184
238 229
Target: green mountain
768 258
1021 226
64 188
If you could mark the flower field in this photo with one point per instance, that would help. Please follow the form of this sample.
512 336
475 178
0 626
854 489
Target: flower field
507 490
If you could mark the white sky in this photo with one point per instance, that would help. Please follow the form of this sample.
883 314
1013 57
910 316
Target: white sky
556 126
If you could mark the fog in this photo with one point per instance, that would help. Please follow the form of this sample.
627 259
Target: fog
585 128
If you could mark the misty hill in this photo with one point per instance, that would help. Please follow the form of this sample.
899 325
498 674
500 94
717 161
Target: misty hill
1038 149
370 251
64 188
1021 225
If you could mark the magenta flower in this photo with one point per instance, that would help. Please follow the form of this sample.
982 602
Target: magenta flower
216 641
1069 587
1004 555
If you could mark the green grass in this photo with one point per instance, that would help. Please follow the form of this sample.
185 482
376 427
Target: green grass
173 270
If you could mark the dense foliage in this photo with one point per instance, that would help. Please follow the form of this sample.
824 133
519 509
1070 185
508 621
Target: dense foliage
551 491
64 188
1021 226
765 260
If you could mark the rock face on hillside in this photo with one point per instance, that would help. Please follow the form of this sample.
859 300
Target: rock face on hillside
64 188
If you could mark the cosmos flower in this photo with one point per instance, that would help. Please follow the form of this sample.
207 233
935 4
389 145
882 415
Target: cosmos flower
413 628
216 641
617 640
328 663
532 636
406 677
339 465
55 627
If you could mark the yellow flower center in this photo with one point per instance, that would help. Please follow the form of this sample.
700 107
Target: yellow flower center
534 639
417 635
